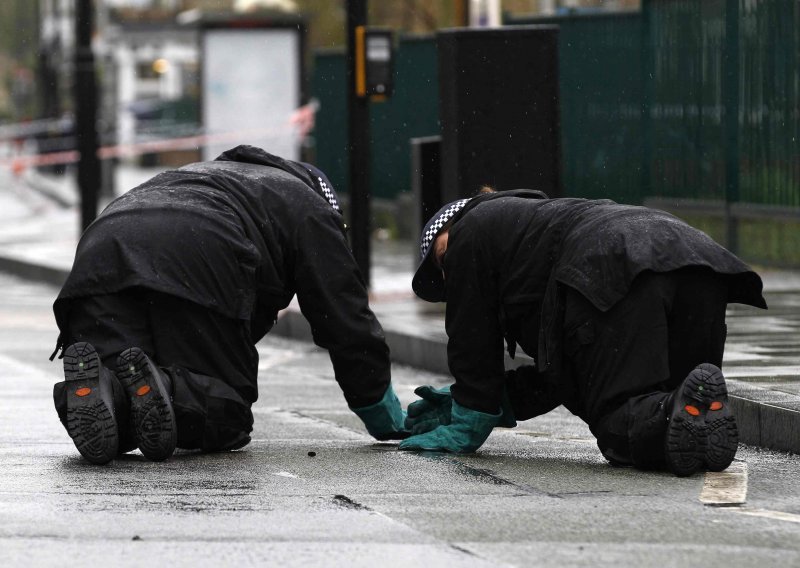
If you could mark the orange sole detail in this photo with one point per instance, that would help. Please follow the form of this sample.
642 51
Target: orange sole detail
90 417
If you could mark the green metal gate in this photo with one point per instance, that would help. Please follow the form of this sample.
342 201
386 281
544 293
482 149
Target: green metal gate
692 105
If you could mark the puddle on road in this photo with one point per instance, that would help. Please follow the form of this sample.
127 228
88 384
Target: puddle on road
481 474
347 503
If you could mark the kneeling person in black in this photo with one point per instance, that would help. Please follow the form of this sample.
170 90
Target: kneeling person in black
175 283
622 308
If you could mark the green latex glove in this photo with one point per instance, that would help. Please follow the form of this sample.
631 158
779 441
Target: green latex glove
384 419
435 410
467 431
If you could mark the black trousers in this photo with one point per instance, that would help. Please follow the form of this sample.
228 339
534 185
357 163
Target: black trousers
211 359
626 361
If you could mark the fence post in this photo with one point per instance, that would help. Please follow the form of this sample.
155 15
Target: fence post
358 146
85 94
730 93
648 87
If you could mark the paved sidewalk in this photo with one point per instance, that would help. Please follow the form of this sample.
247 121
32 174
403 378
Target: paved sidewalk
38 241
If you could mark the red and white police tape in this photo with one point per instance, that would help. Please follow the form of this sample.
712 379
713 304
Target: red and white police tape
20 163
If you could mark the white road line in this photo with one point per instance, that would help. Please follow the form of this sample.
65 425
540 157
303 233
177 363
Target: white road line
273 359
725 488
285 474
777 515
23 371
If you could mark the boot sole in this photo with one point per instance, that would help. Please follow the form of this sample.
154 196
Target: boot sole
152 416
90 421
702 431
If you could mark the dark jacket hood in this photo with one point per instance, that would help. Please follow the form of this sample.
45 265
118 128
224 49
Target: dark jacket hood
308 174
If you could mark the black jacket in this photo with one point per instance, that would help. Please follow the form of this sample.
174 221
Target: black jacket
240 235
510 253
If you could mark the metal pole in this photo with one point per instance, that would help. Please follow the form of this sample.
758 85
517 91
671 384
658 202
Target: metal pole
648 89
358 140
462 13
85 93
731 125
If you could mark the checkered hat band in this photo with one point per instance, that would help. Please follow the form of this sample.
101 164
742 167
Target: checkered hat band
437 225
329 195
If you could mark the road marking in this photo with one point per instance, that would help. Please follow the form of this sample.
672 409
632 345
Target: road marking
285 474
778 515
725 488
269 360
24 372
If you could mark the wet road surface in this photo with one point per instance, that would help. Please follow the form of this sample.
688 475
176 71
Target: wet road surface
538 495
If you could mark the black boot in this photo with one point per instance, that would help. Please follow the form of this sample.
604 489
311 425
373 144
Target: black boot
149 391
122 412
701 433
85 404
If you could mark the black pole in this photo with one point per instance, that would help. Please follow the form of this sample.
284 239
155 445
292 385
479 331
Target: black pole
648 73
85 93
731 97
358 139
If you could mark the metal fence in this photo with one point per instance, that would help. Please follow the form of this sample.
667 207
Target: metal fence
600 65
693 105
724 101
651 103
685 99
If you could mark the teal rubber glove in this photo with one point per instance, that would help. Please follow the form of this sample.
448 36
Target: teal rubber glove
435 410
385 419
467 431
